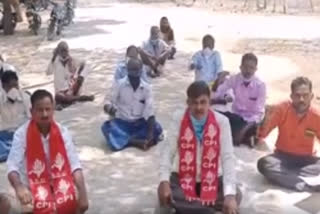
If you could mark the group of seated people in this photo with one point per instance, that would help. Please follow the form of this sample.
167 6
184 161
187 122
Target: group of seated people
197 163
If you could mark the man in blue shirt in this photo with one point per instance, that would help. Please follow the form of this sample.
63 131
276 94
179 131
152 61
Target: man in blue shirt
207 62
122 68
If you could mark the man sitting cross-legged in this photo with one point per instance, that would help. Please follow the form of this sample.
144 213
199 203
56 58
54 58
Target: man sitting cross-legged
131 103
69 76
248 106
299 125
14 110
197 165
207 62
154 53
43 166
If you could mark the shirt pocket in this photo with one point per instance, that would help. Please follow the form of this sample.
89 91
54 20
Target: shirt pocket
253 95
138 105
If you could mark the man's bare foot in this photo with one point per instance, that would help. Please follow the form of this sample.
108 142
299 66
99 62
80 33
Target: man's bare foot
86 98
140 144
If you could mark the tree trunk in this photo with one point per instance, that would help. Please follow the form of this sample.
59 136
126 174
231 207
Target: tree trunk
8 25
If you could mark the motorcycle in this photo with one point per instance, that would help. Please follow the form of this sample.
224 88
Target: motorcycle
8 20
60 17
34 19
69 13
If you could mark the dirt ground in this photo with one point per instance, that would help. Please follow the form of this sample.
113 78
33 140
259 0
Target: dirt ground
125 182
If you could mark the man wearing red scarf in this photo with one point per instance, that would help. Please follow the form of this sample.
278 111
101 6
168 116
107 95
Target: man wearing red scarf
192 162
43 167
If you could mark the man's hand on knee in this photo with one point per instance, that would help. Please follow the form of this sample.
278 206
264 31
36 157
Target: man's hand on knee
164 193
230 205
24 195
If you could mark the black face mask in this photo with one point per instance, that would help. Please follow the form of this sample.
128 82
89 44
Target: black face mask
134 81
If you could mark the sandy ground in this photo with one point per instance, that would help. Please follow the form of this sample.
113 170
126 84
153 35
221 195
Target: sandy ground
125 182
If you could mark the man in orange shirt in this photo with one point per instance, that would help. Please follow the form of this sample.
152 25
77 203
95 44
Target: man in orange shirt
299 125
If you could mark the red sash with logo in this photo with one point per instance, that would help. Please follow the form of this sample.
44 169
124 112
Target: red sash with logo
210 158
51 181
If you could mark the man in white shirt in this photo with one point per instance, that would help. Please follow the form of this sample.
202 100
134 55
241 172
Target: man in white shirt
197 165
131 103
154 52
43 166
69 76
14 110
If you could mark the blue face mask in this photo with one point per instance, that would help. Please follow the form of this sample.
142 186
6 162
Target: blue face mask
198 126
154 41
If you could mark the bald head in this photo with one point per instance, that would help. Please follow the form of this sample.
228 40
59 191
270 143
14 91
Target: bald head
134 67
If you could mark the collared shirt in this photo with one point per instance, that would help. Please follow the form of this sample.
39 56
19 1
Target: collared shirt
122 72
155 50
249 100
296 135
13 115
169 153
132 105
207 68
17 157
63 77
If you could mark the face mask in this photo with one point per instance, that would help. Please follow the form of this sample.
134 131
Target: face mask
207 52
134 81
14 95
63 59
154 41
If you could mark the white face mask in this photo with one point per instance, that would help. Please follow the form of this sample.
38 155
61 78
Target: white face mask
154 41
14 94
207 52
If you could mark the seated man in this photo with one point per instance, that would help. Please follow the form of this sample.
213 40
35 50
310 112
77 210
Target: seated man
134 123
207 62
69 76
4 66
122 71
298 124
249 99
154 53
43 166
167 35
14 111
192 163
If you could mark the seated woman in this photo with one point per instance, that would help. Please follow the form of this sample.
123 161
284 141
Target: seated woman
167 35
69 76
131 104
122 70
